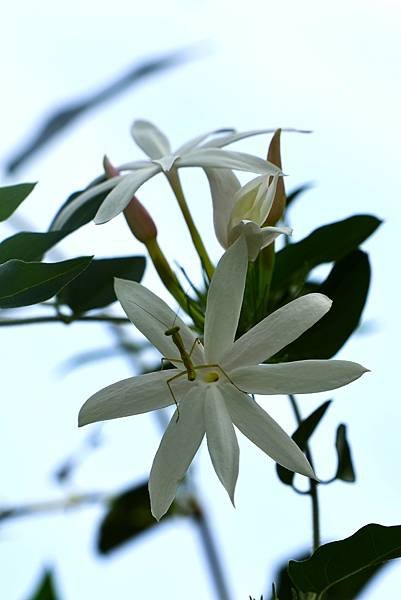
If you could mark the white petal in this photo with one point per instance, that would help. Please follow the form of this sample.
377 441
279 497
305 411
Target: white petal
134 165
194 142
299 377
257 237
277 330
80 200
153 317
131 396
265 433
123 193
223 159
223 187
176 451
221 439
224 301
150 139
235 137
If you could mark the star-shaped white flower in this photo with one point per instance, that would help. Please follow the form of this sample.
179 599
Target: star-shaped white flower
225 369
198 152
243 210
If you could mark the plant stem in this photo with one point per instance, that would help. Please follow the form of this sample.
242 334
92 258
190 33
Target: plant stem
313 485
64 319
212 555
175 183
47 506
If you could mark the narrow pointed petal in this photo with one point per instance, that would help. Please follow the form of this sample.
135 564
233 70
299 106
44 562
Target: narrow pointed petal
80 200
299 377
224 300
122 194
223 187
223 159
151 315
235 137
265 433
257 237
150 139
276 331
131 396
221 439
176 451
194 142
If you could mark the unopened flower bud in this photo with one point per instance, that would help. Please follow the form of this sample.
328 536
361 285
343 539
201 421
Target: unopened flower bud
274 156
109 169
140 222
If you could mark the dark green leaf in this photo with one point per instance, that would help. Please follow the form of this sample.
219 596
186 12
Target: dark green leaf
326 244
94 288
347 285
348 589
46 589
85 213
331 563
22 283
11 197
29 246
128 517
345 468
63 116
296 193
301 437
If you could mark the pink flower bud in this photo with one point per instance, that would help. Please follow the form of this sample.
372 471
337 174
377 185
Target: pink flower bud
109 169
140 222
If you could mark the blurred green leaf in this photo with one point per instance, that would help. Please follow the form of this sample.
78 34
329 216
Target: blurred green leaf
348 589
28 246
85 213
301 437
326 244
46 589
11 197
94 288
331 563
347 285
25 283
345 468
128 517
294 194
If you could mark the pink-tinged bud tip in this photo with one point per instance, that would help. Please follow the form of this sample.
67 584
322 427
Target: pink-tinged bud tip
140 222
109 169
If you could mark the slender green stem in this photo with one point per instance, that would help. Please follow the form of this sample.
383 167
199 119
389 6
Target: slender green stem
46 506
175 183
313 485
65 319
212 555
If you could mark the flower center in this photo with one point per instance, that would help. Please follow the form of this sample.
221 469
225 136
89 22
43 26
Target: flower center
211 377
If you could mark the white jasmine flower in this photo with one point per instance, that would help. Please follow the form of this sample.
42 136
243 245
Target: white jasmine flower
243 209
225 370
198 152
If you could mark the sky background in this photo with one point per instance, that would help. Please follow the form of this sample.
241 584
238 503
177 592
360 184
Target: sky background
333 70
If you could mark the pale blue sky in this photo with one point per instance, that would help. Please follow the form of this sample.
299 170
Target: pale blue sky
297 64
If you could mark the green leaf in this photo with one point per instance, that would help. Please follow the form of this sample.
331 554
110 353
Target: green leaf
129 516
301 437
28 246
94 288
85 213
25 283
345 468
46 589
348 589
11 197
334 562
347 285
326 244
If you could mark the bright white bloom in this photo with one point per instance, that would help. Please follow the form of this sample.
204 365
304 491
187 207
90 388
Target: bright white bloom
243 210
214 401
198 152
